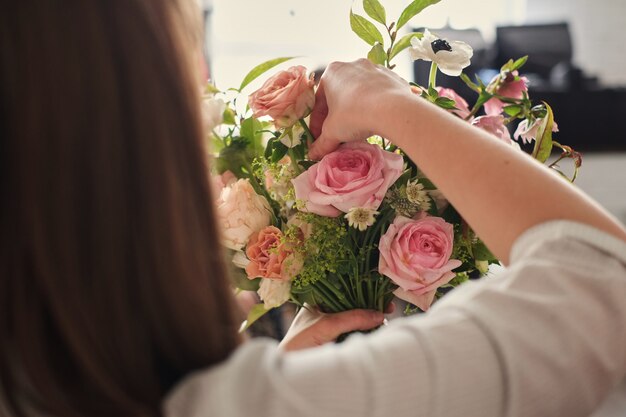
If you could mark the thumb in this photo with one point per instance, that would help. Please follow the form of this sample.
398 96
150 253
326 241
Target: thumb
322 146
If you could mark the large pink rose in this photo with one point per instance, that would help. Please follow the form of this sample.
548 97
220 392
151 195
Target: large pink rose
271 257
462 110
415 254
513 86
358 174
285 97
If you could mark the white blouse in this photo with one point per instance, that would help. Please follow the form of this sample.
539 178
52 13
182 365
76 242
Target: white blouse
547 337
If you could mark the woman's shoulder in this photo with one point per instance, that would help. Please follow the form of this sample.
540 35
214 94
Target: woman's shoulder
230 388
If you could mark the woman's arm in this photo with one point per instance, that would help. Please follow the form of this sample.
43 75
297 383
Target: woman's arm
500 191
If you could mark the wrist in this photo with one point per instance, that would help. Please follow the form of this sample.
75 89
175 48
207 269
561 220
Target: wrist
398 115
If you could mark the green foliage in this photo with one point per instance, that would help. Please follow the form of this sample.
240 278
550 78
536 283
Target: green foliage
481 252
403 43
413 9
543 142
375 10
240 280
255 313
377 54
260 69
365 29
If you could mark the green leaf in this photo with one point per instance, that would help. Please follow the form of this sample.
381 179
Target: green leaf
260 69
446 103
512 110
377 54
375 10
211 89
256 312
413 9
365 29
543 142
240 280
251 129
403 43
279 152
519 63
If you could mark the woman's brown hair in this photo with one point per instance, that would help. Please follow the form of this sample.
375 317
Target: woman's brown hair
112 286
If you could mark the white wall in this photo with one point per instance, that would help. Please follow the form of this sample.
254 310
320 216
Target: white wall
598 33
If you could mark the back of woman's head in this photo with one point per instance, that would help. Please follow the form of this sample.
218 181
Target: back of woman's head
111 285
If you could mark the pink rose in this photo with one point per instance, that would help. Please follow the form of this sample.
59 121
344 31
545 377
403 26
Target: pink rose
460 103
358 174
512 86
415 254
286 97
271 257
529 133
494 125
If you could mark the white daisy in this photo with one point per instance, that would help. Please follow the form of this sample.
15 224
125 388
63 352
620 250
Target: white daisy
416 194
450 56
361 218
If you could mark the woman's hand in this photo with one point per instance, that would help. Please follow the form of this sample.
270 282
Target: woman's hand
348 103
311 328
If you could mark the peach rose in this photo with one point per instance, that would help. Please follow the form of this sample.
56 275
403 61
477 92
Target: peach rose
415 254
358 174
240 213
271 257
286 97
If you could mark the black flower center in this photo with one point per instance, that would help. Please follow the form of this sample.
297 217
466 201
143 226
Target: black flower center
441 45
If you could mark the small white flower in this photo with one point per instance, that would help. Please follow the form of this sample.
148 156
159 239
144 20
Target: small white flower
292 136
450 56
361 218
274 293
212 112
416 194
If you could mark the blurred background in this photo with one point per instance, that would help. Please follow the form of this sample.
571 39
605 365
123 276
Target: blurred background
575 47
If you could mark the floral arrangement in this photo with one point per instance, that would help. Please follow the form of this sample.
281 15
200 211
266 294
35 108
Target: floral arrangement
363 224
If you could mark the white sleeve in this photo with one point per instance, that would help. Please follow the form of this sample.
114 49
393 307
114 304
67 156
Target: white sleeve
545 338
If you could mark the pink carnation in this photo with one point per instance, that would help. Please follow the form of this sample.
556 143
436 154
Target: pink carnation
358 174
286 97
415 254
512 86
271 257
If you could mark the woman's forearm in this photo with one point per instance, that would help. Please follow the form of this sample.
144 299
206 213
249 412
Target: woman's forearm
500 191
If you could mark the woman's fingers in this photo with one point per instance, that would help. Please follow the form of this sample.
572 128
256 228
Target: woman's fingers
311 328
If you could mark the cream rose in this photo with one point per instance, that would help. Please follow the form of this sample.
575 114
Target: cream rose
240 213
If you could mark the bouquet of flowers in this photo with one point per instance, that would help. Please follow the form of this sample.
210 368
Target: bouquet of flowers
363 224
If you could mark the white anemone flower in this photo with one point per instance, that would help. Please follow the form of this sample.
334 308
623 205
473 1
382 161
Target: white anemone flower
361 217
450 56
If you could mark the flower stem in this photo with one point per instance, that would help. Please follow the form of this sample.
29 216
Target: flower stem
432 79
307 130
294 162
